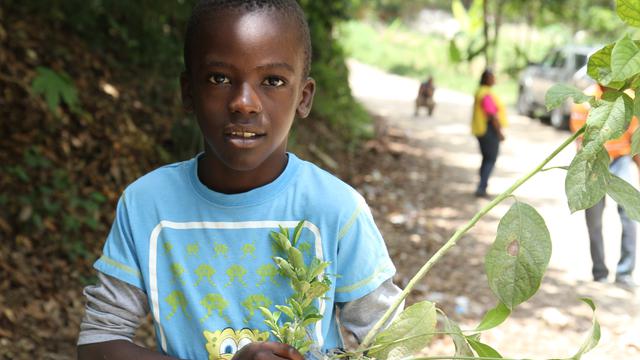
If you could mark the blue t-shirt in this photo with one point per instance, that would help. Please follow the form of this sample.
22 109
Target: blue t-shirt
205 259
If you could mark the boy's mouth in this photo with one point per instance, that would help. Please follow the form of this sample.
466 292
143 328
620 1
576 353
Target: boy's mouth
244 138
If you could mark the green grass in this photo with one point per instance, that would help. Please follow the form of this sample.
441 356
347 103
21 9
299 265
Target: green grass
401 51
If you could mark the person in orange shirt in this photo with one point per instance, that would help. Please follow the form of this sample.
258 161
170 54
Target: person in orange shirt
621 163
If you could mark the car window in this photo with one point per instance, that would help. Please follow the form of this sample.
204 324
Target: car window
580 61
549 59
559 61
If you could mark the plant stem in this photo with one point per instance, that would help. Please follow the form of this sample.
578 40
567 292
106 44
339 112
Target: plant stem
452 241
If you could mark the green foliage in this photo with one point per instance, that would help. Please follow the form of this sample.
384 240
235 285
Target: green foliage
592 339
626 195
409 333
519 256
334 102
494 317
56 89
629 11
308 283
587 178
460 343
559 93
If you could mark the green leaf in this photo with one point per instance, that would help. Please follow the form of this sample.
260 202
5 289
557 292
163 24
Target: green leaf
559 93
295 258
519 256
454 52
609 120
285 267
599 67
587 178
625 59
296 232
310 320
459 340
629 11
635 142
594 333
286 310
611 95
494 317
56 88
483 350
281 241
625 195
409 333
460 14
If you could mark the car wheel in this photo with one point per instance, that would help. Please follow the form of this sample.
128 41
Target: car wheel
523 102
558 120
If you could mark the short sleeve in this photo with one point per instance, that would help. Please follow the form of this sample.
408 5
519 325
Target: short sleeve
119 258
488 105
363 260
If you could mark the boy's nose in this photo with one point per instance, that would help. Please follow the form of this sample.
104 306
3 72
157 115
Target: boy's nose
245 101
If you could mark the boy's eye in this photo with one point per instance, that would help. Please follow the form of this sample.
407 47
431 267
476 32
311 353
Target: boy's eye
219 79
273 81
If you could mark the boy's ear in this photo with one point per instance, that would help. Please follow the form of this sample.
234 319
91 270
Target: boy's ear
187 97
306 100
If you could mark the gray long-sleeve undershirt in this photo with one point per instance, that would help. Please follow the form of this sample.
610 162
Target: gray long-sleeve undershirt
115 309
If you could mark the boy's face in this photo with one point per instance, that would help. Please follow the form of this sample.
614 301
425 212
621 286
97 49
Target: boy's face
245 85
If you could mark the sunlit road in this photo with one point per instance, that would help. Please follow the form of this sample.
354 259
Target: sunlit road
446 136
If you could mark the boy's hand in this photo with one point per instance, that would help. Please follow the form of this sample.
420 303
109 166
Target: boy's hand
267 351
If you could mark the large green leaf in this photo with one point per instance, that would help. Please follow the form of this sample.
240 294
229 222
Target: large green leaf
608 121
625 59
629 11
459 340
594 333
625 195
558 93
409 333
494 317
599 67
587 177
519 256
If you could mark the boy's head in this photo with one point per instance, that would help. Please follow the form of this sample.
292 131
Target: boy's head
246 79
204 10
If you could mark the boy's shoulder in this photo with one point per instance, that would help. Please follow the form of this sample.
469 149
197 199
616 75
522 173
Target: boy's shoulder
326 185
170 177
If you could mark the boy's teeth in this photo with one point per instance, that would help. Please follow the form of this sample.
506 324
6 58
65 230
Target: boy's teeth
243 134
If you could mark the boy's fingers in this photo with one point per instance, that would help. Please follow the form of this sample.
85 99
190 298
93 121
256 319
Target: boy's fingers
268 351
285 351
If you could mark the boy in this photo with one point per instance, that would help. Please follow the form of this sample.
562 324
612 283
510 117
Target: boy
190 241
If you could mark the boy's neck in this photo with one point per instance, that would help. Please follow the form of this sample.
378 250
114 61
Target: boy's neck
220 178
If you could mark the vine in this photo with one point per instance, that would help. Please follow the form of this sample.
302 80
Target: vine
519 256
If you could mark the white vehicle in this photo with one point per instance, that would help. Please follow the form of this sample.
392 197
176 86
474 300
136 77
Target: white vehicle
566 65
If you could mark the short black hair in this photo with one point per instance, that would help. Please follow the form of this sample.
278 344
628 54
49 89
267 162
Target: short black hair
291 8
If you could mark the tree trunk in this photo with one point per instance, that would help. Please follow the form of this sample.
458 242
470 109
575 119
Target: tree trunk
485 30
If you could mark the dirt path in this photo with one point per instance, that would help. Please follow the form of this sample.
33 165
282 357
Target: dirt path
427 194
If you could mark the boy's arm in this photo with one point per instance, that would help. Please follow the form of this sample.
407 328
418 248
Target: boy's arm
118 349
359 316
113 312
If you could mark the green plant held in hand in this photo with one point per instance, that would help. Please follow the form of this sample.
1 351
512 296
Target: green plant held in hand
517 260
308 284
